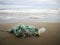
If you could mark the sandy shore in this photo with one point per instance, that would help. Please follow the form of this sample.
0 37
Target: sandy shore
50 37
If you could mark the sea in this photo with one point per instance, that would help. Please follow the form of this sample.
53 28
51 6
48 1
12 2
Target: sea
31 15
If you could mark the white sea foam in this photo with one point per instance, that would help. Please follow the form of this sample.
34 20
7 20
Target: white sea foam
38 15
32 11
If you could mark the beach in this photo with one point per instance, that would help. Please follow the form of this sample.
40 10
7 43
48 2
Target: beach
43 14
50 37
46 18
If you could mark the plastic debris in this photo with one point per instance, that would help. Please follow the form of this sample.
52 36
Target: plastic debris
22 30
41 30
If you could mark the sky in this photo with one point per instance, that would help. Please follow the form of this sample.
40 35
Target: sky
29 4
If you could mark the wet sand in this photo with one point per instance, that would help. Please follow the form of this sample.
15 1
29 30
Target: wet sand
50 37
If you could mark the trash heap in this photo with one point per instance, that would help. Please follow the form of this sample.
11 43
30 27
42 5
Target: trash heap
22 30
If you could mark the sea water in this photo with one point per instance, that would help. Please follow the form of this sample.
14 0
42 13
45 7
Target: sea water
11 16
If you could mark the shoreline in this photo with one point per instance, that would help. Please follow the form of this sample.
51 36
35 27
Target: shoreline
37 24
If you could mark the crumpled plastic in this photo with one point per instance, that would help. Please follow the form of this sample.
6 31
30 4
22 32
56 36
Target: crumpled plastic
22 30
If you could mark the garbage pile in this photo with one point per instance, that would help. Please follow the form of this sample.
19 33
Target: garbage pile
22 30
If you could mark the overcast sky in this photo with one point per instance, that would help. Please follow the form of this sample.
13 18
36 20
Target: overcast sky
30 3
